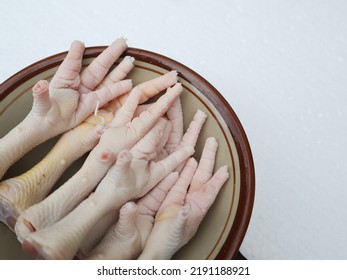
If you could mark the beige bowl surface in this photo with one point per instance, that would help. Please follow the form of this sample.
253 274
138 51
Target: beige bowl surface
222 231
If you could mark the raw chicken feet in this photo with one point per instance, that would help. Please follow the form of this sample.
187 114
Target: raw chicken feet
133 175
185 206
126 239
64 103
122 133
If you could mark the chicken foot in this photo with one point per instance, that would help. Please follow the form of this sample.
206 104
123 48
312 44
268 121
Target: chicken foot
123 132
133 175
185 206
174 142
126 238
64 103
19 193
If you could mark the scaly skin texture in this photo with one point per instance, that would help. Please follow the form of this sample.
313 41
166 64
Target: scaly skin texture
22 191
148 89
177 139
17 194
185 206
160 133
133 175
64 103
100 159
173 142
126 239
175 116
119 72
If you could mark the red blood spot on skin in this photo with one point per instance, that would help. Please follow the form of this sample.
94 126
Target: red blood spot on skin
105 156
11 222
29 225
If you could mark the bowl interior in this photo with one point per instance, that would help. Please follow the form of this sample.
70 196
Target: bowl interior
222 230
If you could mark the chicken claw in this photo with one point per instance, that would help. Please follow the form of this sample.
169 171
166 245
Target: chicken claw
126 239
122 133
185 205
21 192
64 103
133 175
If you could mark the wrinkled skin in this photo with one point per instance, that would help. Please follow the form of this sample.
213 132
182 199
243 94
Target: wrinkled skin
134 174
122 133
174 142
19 193
127 238
65 102
180 213
137 220
55 232
186 205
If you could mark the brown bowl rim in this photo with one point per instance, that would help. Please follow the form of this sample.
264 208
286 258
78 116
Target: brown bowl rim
238 230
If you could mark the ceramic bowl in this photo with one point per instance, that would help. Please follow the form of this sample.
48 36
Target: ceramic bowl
223 229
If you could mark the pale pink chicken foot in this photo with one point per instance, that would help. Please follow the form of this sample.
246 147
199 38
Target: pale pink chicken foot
126 132
22 138
150 147
21 192
126 238
155 84
185 206
174 142
58 109
132 176
66 104
17 194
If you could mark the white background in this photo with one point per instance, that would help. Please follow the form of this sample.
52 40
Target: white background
282 65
